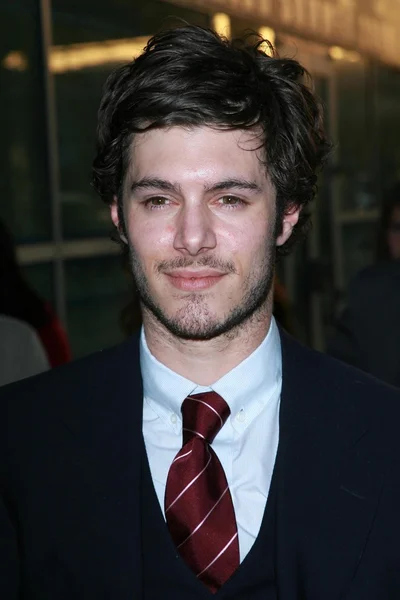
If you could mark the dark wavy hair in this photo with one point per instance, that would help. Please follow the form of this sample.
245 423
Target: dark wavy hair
190 77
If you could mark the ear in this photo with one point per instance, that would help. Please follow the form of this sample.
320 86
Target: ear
114 210
290 219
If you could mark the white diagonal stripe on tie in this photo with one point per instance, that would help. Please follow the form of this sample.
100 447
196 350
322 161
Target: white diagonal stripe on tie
205 518
189 484
209 406
195 432
218 556
181 456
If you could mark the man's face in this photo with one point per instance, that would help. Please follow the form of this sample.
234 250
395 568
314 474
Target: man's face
199 214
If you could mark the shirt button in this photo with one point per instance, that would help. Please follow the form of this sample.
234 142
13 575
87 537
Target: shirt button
241 417
174 418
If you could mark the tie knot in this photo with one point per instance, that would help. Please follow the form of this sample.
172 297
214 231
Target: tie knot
203 415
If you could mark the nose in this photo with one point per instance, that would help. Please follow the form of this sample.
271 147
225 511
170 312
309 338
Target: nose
195 233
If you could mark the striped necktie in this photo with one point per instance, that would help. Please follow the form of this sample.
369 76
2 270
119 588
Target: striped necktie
198 503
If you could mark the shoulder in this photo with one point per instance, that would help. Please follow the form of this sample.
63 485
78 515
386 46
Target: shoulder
335 386
376 291
72 384
377 274
14 327
39 413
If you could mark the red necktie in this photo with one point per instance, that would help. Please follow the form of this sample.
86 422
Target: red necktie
198 503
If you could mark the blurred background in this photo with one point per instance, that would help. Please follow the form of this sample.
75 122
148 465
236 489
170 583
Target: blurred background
54 58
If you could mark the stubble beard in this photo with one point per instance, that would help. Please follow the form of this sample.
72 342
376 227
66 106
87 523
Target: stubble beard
195 320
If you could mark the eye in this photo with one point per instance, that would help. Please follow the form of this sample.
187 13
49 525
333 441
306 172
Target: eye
156 202
232 202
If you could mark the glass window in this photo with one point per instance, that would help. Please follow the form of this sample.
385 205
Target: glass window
23 183
85 34
359 243
40 276
388 117
356 201
355 137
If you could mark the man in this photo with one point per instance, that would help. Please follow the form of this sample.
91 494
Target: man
212 454
373 344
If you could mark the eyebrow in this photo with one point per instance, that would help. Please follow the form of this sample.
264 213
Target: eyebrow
239 184
155 183
167 186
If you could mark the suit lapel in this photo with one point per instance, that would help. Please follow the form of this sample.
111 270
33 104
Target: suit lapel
103 458
329 482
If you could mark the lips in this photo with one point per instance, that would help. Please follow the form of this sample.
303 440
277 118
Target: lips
189 281
188 274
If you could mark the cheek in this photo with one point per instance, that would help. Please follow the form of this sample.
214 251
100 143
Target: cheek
248 232
151 242
248 246
254 235
232 240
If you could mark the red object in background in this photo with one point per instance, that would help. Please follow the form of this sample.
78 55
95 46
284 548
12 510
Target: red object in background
54 339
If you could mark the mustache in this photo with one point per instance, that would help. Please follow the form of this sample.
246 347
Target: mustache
182 262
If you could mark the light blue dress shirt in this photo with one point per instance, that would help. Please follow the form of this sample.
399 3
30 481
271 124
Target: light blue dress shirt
246 445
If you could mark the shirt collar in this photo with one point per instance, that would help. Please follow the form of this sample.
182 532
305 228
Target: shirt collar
247 387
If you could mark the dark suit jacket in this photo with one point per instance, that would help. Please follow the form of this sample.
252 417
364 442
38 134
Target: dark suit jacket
368 332
70 442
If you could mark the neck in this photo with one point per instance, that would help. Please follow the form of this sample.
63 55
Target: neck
204 362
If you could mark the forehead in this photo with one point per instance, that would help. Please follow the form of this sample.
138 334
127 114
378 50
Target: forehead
198 151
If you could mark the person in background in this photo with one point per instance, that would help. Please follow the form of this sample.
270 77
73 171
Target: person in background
367 333
21 352
388 245
211 454
19 300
